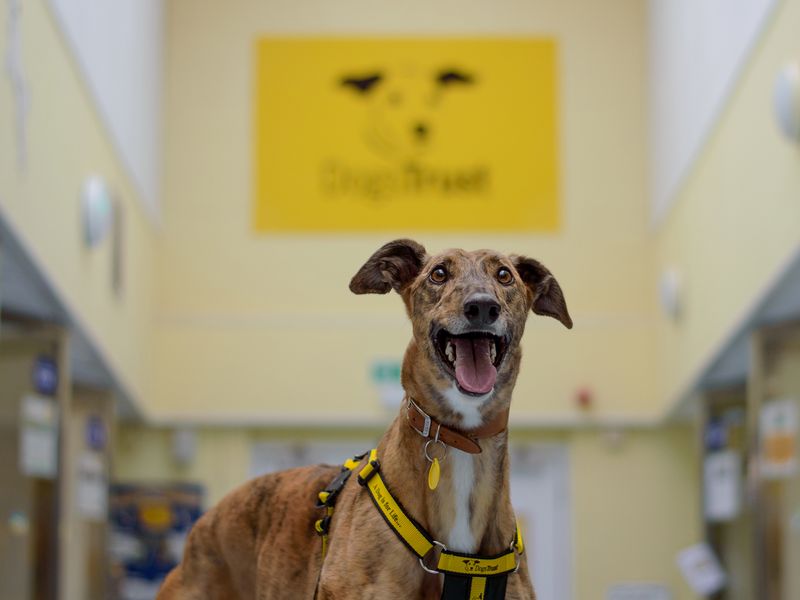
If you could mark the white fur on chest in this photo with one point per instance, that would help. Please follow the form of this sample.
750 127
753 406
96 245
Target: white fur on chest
461 538
467 407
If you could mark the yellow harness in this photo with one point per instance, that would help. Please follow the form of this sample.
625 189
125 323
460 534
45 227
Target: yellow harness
467 576
327 499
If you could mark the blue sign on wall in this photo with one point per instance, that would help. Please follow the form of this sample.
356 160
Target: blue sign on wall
96 435
45 376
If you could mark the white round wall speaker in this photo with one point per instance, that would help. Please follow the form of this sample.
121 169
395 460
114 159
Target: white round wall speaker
670 292
96 208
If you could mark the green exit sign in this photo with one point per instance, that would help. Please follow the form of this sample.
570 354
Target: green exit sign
385 371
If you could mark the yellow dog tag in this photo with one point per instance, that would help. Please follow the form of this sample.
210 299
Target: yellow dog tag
433 474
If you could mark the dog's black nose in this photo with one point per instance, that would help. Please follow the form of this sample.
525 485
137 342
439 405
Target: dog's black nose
481 309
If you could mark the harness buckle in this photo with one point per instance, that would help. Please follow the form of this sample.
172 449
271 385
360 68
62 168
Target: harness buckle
328 496
322 525
518 548
369 472
422 564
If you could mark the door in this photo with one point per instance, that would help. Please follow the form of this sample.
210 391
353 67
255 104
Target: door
540 496
29 471
729 522
777 388
86 463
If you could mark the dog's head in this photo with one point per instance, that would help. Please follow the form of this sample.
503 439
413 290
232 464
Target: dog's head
468 311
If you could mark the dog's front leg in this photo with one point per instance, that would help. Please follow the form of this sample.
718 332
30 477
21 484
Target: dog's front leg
519 585
379 580
358 590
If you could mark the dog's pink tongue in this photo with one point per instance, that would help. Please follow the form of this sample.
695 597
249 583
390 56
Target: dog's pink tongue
474 369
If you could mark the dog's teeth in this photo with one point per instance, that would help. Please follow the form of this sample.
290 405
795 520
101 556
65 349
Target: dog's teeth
493 352
450 352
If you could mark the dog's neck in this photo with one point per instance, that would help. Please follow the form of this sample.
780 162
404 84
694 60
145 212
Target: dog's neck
470 509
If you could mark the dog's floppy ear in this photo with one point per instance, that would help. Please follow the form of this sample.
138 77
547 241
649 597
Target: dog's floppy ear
394 265
447 77
362 85
548 299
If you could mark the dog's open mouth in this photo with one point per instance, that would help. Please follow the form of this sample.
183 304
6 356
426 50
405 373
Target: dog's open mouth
471 358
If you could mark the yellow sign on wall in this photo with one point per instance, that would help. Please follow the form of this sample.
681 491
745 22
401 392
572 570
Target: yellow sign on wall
424 134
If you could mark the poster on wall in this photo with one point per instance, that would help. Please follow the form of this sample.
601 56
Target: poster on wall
722 485
91 486
701 569
426 133
149 525
779 422
38 438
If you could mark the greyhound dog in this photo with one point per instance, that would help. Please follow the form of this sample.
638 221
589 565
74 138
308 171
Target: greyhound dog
468 311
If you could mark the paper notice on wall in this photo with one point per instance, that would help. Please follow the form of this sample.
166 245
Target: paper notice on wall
778 432
701 569
722 485
38 440
92 487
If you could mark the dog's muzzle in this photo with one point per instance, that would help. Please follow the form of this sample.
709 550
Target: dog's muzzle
471 358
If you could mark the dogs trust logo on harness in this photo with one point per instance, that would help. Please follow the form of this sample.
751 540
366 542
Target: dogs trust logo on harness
441 134
475 566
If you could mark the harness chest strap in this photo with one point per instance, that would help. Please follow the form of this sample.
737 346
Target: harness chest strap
467 576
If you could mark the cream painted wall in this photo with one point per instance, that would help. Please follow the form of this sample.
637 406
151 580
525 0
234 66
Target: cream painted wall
66 143
263 329
634 508
634 505
144 454
736 222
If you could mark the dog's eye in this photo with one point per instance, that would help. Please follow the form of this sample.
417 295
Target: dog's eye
438 275
504 276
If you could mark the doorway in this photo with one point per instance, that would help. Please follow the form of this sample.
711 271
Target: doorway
29 465
776 392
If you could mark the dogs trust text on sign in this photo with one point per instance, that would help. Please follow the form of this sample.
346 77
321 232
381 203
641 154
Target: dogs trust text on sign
423 134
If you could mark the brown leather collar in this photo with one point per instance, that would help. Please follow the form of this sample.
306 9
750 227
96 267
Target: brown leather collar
429 428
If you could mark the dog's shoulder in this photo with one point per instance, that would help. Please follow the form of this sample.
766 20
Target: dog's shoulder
267 502
269 511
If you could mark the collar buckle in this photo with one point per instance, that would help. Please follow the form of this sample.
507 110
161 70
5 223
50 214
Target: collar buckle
426 428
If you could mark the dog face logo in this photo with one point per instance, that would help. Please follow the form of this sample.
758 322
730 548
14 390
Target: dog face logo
402 106
475 566
439 134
